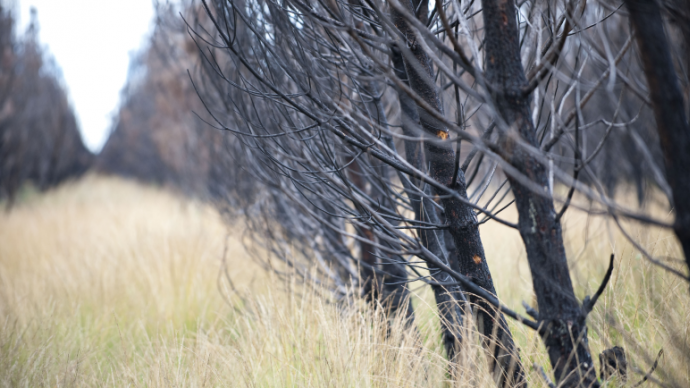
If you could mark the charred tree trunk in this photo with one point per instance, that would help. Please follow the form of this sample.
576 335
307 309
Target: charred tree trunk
367 266
395 291
564 329
460 218
448 298
383 278
669 109
678 12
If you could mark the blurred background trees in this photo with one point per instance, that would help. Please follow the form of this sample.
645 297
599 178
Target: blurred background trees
39 136
160 133
156 137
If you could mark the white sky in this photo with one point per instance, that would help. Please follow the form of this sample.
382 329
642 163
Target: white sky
91 41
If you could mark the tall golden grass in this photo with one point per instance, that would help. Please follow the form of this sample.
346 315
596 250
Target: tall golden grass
105 282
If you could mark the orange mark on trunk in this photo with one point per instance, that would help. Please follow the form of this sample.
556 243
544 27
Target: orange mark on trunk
443 135
477 259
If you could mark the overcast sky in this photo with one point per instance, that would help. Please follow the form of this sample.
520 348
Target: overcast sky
91 40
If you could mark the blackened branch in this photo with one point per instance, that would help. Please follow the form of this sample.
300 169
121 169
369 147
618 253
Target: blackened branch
588 303
543 375
656 363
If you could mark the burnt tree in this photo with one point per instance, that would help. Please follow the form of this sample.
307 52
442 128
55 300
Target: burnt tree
669 108
468 256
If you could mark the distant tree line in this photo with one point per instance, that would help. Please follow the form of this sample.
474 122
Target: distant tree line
39 136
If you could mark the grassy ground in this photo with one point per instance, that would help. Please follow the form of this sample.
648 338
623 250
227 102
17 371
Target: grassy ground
108 283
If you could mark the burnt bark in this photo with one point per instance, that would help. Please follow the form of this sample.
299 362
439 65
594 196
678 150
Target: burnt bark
448 298
669 109
383 278
392 290
468 257
563 321
367 267
678 13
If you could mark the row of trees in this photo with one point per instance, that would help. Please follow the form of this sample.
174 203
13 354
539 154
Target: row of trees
383 125
366 141
39 136
155 136
160 133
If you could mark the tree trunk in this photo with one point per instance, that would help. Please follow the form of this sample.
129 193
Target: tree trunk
564 329
678 12
460 218
369 278
383 278
391 284
669 109
448 298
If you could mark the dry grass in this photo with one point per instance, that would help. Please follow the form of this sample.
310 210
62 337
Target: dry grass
107 283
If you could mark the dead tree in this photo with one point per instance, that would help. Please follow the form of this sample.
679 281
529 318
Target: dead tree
322 97
669 108
469 258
